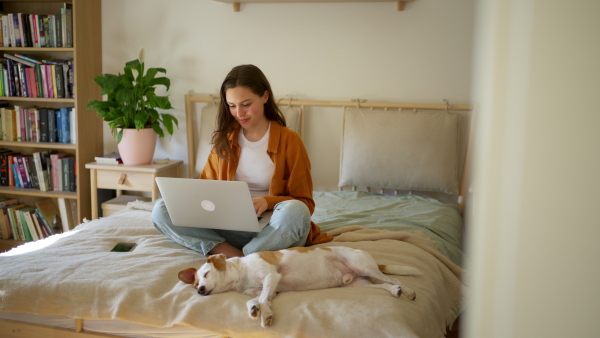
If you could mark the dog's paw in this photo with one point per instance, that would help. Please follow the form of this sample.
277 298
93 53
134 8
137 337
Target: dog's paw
254 312
266 317
396 290
409 293
253 309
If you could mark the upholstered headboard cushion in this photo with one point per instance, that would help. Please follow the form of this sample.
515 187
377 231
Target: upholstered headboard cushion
400 150
205 125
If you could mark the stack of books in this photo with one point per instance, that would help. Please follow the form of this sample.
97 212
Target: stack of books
112 158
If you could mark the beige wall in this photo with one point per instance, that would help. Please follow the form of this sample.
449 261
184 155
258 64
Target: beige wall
328 51
534 232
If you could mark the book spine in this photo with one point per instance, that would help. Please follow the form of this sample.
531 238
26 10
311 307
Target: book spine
4 222
65 174
52 133
64 125
43 113
24 228
4 169
22 172
72 174
31 172
16 174
17 30
41 33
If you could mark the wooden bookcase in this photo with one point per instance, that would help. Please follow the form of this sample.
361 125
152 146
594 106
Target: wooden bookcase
87 55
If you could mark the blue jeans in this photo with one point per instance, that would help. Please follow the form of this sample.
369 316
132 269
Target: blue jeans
289 227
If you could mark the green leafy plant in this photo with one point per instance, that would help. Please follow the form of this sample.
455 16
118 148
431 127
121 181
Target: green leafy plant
131 100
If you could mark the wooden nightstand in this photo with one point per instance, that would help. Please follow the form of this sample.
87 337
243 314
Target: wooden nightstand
128 177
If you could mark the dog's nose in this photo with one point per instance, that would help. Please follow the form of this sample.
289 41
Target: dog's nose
202 290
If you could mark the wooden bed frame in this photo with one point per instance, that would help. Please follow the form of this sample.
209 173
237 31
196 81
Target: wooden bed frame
18 329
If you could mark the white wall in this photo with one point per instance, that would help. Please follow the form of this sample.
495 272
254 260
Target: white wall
533 239
326 51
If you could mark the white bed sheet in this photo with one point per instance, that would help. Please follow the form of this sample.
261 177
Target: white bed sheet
86 281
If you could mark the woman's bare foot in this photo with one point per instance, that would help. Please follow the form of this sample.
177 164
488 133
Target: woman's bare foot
227 249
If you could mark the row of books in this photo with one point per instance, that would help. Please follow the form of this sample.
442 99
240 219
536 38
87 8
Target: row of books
27 76
29 124
29 223
43 170
38 30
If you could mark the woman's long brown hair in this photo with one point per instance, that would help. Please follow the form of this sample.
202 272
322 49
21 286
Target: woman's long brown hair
251 77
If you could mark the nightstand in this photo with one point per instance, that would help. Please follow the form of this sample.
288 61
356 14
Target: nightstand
121 177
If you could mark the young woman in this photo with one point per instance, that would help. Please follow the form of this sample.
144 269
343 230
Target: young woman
251 143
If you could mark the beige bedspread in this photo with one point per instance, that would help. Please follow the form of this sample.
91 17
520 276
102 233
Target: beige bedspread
76 275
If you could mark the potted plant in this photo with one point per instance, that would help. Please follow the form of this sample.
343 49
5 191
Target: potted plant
132 108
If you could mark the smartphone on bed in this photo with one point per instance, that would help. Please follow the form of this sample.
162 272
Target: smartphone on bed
123 247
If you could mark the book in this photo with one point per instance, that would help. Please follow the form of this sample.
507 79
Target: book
52 134
31 232
5 224
22 172
66 214
112 158
12 219
39 227
50 214
41 171
31 172
43 118
5 227
4 168
63 125
43 223
12 178
72 186
56 170
7 201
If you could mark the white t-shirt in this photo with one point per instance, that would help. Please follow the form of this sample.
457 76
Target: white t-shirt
255 166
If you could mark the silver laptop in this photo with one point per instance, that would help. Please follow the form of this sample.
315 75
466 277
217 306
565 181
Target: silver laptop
211 204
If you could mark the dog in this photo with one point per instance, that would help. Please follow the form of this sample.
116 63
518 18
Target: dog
261 275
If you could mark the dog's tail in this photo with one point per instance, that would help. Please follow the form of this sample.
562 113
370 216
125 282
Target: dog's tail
400 270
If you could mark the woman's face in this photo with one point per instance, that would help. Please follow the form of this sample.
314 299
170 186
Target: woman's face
246 107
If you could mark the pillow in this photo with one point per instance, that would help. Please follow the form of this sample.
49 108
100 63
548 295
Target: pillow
205 125
400 150
293 117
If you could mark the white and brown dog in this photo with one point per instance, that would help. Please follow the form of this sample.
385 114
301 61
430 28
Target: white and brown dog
262 274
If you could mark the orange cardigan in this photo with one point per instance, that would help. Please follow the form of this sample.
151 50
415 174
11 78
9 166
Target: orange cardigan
291 177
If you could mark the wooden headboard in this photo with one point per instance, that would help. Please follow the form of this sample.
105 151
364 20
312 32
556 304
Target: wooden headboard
191 101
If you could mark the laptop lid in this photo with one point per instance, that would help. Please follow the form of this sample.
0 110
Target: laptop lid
211 204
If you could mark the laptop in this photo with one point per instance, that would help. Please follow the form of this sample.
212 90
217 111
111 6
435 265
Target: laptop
211 204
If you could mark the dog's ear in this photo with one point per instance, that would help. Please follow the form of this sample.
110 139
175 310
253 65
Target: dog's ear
188 276
218 261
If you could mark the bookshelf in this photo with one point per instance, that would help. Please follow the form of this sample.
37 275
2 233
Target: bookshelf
87 55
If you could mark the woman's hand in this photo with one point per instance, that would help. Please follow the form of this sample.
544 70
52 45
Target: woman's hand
260 205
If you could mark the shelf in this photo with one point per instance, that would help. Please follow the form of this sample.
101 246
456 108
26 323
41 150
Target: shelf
37 99
236 3
87 56
38 193
40 145
7 244
37 49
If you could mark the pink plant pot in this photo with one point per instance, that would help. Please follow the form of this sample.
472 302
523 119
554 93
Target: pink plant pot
137 146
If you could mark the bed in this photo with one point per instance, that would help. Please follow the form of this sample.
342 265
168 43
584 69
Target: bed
71 285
